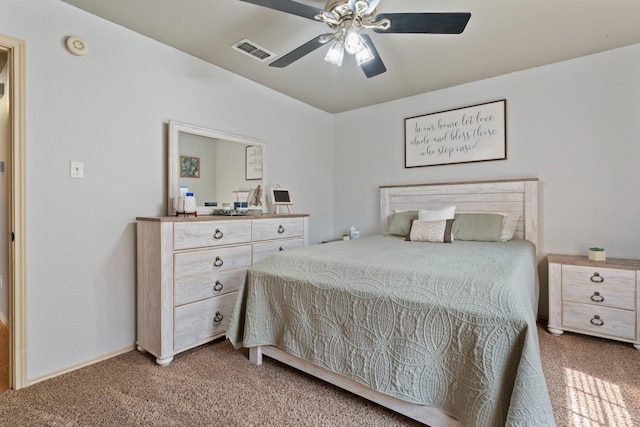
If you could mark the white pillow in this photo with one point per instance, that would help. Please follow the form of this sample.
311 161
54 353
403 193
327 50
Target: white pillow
437 214
509 224
431 231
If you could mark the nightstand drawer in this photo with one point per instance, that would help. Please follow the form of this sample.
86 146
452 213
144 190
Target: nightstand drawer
599 320
599 276
600 296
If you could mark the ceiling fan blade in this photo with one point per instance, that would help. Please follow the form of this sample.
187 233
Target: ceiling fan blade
288 6
431 23
375 66
299 52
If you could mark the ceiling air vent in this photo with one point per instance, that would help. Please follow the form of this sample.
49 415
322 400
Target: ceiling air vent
253 50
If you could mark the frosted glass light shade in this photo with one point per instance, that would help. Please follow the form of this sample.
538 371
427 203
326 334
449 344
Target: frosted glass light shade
353 41
335 54
364 55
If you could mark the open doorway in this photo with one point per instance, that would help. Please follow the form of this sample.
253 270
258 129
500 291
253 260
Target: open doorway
13 207
5 138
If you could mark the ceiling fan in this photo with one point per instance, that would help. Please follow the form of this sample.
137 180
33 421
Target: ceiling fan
348 18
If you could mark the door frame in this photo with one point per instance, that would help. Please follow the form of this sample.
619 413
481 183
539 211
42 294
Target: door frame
17 212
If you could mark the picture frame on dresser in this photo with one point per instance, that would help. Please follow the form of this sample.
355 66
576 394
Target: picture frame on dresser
281 197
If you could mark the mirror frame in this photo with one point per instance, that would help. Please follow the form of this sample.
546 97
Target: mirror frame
173 157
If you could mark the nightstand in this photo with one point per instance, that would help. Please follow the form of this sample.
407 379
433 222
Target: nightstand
599 298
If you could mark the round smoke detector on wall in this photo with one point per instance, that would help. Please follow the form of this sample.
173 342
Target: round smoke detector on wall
77 45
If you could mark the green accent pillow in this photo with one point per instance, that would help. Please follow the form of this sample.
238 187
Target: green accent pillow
481 227
400 224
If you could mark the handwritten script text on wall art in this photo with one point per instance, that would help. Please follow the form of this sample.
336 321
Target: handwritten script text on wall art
469 134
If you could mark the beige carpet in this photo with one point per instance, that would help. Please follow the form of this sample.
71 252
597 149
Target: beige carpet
592 382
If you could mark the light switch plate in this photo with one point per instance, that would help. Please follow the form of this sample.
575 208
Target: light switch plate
76 169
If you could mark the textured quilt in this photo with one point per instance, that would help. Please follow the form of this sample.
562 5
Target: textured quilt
446 325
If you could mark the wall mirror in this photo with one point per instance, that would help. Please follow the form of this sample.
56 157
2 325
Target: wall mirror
217 167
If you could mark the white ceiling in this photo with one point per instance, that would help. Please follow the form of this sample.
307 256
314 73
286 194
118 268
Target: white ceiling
501 37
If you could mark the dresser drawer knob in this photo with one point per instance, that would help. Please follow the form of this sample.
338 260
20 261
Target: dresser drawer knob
218 234
596 297
218 262
218 286
597 321
597 278
280 249
217 319
280 229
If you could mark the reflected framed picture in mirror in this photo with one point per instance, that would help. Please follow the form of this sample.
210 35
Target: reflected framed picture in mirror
253 160
189 167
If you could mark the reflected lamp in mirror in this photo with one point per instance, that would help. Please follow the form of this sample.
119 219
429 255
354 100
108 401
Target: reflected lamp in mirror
215 166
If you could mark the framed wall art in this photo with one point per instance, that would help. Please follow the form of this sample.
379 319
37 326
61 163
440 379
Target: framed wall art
189 167
470 134
253 166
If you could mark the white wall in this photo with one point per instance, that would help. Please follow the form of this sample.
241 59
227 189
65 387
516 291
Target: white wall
573 124
110 109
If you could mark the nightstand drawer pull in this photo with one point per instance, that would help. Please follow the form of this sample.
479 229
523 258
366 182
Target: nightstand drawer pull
597 321
597 278
218 262
280 229
218 286
280 249
217 318
596 297
218 234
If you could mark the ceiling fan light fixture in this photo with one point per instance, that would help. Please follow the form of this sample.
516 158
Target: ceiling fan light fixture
363 7
335 53
353 41
364 55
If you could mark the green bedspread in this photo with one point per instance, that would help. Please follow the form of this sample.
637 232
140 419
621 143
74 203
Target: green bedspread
447 325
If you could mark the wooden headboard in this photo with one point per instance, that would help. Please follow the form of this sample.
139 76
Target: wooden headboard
504 196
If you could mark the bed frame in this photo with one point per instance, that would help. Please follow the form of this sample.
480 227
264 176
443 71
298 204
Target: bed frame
505 196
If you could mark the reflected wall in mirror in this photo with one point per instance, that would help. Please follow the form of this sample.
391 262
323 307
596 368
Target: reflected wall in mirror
221 160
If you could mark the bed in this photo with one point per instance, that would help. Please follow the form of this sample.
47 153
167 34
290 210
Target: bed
444 333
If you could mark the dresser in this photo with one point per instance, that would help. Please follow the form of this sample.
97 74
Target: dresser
189 271
600 298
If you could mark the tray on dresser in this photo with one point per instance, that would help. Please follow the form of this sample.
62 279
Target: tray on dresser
235 212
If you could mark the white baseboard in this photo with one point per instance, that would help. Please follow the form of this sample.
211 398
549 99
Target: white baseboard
71 368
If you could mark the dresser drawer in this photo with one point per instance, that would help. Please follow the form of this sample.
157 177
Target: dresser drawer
596 275
277 228
599 320
196 288
263 250
600 295
200 321
199 234
208 261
